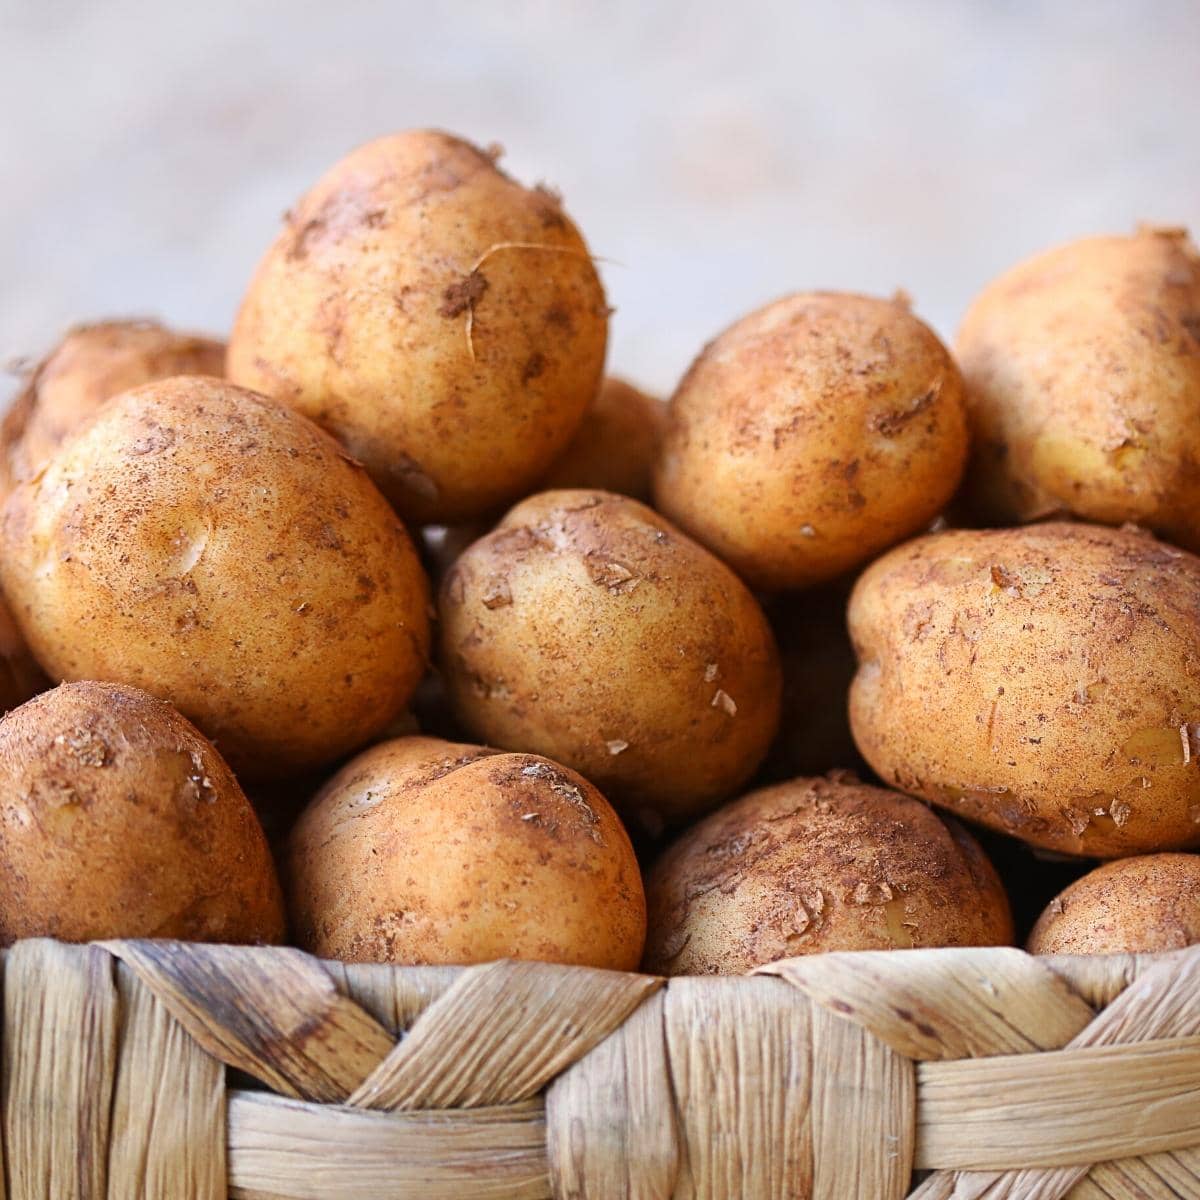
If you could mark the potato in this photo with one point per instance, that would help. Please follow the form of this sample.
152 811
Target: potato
118 819
587 628
1131 906
1082 368
219 550
444 322
813 865
1044 681
20 676
91 364
425 851
811 435
616 446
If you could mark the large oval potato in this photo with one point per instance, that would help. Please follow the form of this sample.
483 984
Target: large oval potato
91 364
1044 681
811 435
1082 368
426 851
118 819
587 628
813 865
1143 905
444 322
219 550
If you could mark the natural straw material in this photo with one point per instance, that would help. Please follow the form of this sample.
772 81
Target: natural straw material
156 1069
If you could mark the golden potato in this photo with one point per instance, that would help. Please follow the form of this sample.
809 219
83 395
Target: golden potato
91 364
1131 906
811 435
219 550
444 322
587 628
814 865
1082 368
616 446
425 851
118 819
1044 681
20 676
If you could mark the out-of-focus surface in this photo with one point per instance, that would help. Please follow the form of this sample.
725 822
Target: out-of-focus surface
716 155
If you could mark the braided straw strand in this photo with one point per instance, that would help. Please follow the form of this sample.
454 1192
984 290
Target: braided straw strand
159 1069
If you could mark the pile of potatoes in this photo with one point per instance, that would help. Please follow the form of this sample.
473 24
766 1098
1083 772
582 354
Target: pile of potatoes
395 629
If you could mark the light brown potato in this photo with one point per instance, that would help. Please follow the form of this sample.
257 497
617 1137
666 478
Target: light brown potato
1131 906
587 628
1082 368
20 676
90 365
1044 681
616 446
814 865
219 550
425 851
444 322
811 435
118 819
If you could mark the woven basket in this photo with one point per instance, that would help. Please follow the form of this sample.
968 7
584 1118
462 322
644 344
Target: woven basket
160 1069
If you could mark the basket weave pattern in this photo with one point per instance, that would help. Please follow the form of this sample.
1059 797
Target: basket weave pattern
989 1073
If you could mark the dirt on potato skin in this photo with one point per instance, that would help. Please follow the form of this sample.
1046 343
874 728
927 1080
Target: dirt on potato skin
119 819
426 851
1144 905
91 364
1043 681
587 628
1082 371
815 865
446 324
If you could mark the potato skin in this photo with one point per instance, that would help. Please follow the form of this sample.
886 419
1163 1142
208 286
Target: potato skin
813 865
118 819
615 448
812 434
1132 906
1082 369
445 323
426 851
1044 681
217 549
587 628
91 364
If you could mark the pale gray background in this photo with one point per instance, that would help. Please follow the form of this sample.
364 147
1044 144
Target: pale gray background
717 154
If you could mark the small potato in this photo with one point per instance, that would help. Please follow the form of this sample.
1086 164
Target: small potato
118 819
425 851
1082 368
615 448
814 865
587 628
219 550
1132 906
446 324
811 435
1044 681
91 364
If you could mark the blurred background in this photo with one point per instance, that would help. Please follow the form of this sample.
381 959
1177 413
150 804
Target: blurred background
715 155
